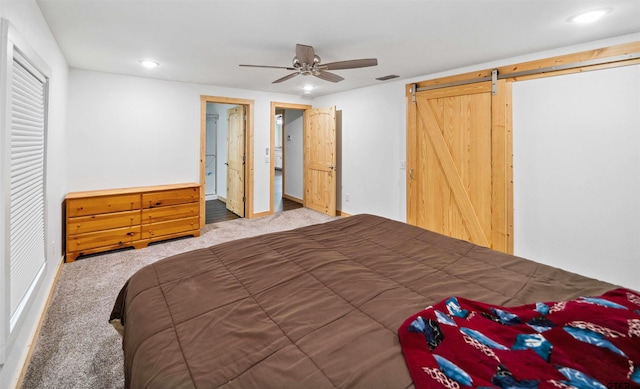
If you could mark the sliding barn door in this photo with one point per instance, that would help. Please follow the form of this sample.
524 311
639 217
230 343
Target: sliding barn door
458 151
235 160
320 160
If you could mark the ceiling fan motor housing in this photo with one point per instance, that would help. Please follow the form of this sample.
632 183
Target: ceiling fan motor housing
306 69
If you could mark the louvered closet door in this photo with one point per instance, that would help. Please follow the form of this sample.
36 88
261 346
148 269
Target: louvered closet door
26 218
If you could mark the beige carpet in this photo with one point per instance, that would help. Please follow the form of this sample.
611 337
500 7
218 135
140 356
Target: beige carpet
77 347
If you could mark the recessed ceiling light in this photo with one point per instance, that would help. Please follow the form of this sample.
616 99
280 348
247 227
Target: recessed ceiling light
590 16
149 64
307 89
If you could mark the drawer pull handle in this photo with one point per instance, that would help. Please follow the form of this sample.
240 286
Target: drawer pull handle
130 233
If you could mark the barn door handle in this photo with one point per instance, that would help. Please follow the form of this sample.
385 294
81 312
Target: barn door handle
411 174
331 167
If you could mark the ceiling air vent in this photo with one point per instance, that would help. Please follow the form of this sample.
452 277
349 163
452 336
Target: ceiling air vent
389 77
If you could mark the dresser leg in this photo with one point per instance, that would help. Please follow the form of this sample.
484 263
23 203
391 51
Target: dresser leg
140 245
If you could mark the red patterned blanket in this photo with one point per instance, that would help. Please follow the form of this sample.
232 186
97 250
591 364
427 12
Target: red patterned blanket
589 342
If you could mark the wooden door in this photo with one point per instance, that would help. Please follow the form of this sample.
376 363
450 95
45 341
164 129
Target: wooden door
235 160
320 160
459 171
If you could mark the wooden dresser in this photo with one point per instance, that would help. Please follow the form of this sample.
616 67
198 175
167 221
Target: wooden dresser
134 217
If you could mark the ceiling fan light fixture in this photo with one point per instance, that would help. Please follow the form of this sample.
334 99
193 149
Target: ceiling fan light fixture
149 63
590 16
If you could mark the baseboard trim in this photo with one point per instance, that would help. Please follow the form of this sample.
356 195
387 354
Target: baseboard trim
36 334
267 213
223 199
292 198
261 214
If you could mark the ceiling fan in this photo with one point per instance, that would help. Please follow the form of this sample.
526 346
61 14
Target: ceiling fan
307 63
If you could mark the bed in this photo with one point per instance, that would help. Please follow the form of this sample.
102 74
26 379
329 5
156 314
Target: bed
315 307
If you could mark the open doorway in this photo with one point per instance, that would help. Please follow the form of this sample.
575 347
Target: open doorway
225 179
278 165
224 152
211 154
287 162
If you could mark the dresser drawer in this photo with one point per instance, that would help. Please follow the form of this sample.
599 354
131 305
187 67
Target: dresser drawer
170 197
108 219
105 221
173 212
150 231
109 238
102 204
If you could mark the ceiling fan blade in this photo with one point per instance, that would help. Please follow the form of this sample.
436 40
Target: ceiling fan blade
350 64
305 54
267 66
329 76
285 78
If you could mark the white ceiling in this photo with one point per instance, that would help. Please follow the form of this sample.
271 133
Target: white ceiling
204 41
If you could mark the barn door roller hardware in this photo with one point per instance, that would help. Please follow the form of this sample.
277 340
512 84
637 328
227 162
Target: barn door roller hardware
494 81
495 76
413 89
593 62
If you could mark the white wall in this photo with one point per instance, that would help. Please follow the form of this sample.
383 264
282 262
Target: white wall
26 18
576 146
128 131
293 156
372 143
212 159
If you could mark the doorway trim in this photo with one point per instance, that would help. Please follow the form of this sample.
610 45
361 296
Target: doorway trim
278 105
248 150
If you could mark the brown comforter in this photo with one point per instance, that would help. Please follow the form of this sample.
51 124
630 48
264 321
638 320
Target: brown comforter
316 307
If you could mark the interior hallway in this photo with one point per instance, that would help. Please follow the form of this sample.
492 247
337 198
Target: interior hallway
216 210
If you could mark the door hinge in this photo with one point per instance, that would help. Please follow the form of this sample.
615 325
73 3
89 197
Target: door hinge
413 89
244 159
494 81
244 199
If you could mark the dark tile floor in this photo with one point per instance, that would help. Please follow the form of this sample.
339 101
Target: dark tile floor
216 210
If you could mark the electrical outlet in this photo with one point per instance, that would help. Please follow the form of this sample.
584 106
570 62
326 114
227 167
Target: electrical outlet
266 160
403 165
347 197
